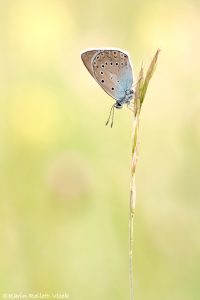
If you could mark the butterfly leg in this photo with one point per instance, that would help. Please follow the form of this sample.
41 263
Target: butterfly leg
131 106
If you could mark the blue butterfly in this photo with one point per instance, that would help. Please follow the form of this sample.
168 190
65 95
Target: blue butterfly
113 72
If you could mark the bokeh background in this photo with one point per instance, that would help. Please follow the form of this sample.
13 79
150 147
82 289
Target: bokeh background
64 175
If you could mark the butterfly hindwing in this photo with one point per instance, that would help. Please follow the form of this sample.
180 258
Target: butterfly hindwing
111 69
113 72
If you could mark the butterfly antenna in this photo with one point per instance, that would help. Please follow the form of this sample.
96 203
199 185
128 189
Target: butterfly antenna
111 112
111 125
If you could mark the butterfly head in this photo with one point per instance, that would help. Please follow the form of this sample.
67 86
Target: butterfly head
118 105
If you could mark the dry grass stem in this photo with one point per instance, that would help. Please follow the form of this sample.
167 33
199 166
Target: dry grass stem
140 92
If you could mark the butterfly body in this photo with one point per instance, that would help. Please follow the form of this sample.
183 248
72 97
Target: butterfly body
112 71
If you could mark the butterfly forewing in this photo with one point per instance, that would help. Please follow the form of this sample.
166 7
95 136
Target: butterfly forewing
87 58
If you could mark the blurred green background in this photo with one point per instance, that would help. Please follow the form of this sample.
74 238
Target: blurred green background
64 175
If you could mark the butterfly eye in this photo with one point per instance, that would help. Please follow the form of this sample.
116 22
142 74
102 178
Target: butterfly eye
111 63
125 56
102 81
113 88
106 63
98 57
102 54
121 55
101 73
102 66
116 63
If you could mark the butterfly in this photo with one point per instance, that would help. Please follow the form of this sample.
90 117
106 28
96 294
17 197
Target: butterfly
112 70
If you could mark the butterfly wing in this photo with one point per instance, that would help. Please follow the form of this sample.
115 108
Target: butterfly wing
87 58
111 69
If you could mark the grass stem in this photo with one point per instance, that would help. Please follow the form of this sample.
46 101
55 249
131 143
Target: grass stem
140 92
